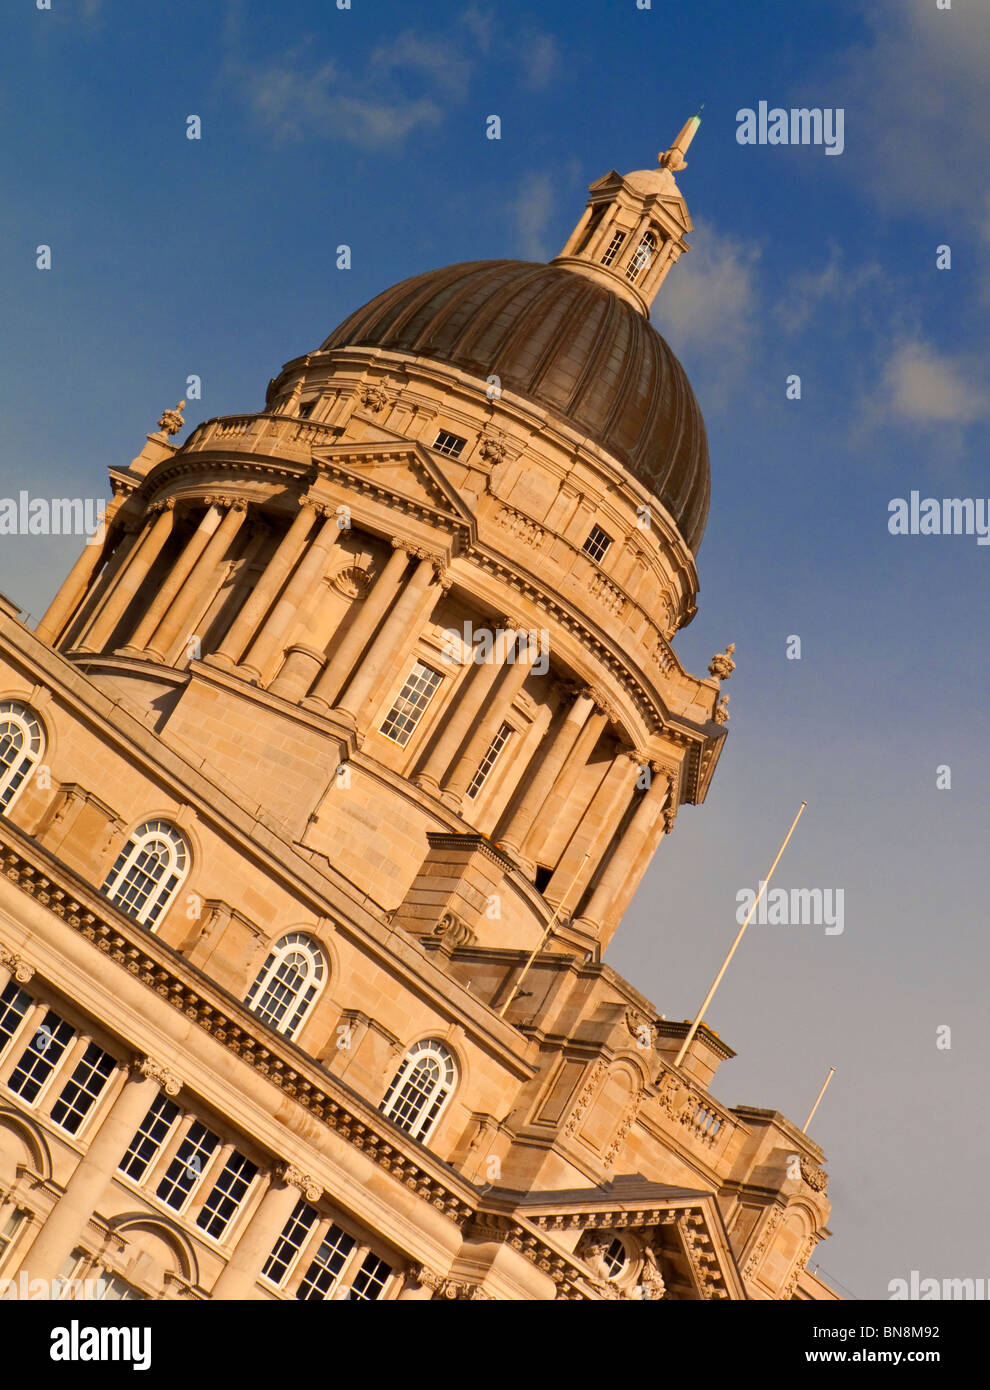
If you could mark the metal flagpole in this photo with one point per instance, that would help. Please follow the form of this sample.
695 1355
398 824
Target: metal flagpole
739 936
831 1073
543 940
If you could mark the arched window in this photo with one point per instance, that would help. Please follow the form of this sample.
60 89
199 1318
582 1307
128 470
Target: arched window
420 1088
148 871
22 743
288 983
643 256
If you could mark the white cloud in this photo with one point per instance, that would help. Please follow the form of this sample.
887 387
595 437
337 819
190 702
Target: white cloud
835 286
539 58
708 305
922 387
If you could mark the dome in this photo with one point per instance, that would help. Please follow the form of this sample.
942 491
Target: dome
569 345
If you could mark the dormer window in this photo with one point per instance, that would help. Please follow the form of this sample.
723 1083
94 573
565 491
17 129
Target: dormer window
306 409
643 256
612 249
597 544
449 444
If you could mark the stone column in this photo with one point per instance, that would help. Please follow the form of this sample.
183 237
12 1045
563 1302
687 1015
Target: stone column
419 1283
199 586
174 580
478 685
70 593
308 572
618 871
419 591
524 654
358 635
68 1218
252 1250
546 773
594 831
245 625
575 237
574 765
118 598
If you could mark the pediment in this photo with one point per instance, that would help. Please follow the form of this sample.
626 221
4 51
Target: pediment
404 472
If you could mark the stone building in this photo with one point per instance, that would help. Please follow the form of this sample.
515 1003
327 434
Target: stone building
324 783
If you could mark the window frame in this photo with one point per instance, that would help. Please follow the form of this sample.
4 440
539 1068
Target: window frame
402 698
156 905
431 1110
20 771
592 541
306 998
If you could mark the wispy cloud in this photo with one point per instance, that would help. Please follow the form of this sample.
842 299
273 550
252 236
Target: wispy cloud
923 387
539 60
833 286
532 209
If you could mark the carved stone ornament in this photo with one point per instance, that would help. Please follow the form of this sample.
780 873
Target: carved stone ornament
814 1175
721 715
295 1177
641 1028
154 1071
453 932
492 449
721 665
171 421
373 397
18 967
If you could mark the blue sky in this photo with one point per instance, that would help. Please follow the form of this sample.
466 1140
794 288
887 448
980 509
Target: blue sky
367 127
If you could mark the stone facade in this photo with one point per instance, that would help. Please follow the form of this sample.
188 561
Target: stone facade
326 780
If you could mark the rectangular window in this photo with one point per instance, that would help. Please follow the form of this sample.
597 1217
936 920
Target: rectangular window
449 444
14 1004
148 1141
307 408
8 1232
488 761
41 1056
83 1089
227 1195
612 249
323 1275
185 1172
371 1278
597 543
410 705
290 1242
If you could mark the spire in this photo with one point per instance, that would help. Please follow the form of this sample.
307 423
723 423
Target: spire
673 159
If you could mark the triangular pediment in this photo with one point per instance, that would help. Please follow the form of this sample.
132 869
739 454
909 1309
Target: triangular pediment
405 472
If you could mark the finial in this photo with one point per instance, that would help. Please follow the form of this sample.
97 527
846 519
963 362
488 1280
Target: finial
171 421
673 159
721 665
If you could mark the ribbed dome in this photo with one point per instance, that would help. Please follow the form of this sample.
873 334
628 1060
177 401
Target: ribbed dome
569 345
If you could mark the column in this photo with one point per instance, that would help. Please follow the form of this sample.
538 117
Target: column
574 765
575 236
118 598
67 1220
548 767
238 1278
358 635
174 580
308 573
405 619
594 831
618 871
245 625
524 653
477 688
198 588
76 582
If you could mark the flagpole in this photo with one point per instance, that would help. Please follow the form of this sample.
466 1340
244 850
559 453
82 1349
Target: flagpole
542 941
831 1073
739 936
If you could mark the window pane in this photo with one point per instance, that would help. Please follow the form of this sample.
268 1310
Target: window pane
40 1057
227 1195
290 1242
410 706
322 1277
83 1088
186 1169
371 1278
148 1141
14 1004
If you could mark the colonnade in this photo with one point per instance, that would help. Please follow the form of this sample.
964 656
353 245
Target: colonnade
595 866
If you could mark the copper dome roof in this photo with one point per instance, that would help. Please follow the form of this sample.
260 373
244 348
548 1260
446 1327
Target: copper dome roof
569 345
